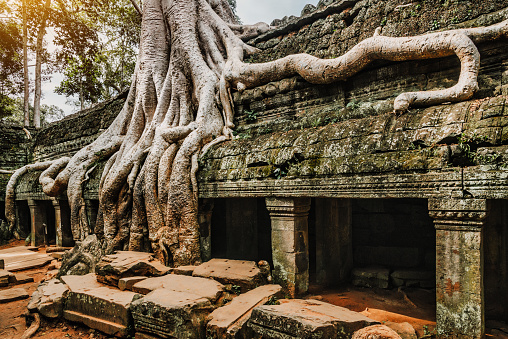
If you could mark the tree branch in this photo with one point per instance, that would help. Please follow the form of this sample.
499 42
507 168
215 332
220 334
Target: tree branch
135 4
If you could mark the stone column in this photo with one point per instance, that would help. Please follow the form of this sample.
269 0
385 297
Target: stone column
37 221
460 303
58 222
334 243
205 209
290 242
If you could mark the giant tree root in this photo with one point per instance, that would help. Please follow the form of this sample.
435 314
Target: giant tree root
180 105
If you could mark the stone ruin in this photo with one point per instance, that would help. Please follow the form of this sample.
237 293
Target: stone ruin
325 182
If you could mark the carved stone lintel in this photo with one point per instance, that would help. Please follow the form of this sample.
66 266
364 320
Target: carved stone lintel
458 214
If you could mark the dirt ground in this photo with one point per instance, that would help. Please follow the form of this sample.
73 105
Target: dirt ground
414 306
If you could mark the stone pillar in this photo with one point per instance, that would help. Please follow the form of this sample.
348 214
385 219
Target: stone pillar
58 222
334 243
460 303
37 221
290 242
205 209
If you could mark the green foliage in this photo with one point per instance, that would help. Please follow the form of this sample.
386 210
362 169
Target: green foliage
435 25
251 116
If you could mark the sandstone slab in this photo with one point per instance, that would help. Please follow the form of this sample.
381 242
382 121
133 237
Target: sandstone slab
127 283
2 264
90 298
229 320
49 298
12 294
22 258
23 278
298 318
6 278
245 274
184 270
205 288
171 314
57 255
122 264
108 327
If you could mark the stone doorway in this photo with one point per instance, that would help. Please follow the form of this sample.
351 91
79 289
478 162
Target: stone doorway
240 229
23 217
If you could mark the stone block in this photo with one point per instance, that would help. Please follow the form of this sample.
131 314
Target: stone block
49 298
171 314
122 264
127 283
228 321
245 274
376 331
6 278
184 270
23 279
413 278
371 277
205 288
298 318
2 264
88 297
99 324
12 294
57 255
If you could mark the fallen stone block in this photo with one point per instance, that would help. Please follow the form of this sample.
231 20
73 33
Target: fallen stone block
57 255
404 330
413 278
245 274
171 314
141 335
90 299
371 277
206 288
22 258
376 331
184 270
23 279
52 249
122 264
99 324
6 278
127 283
229 321
298 318
2 264
49 298
12 294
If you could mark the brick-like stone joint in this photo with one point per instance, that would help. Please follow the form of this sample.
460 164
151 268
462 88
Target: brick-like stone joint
290 243
460 305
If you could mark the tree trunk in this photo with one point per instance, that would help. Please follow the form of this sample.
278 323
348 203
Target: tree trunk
38 65
26 93
179 105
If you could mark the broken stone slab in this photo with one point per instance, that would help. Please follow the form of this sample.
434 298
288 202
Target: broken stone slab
22 258
106 326
57 255
371 277
228 321
184 270
23 279
297 318
6 278
206 288
122 264
245 274
49 298
127 283
376 331
12 294
90 299
52 249
171 314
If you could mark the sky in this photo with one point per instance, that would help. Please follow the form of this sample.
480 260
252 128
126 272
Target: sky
250 11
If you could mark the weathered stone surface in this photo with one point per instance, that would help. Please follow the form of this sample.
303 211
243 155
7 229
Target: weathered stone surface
57 255
123 264
49 298
108 327
20 258
6 278
204 288
376 332
245 274
2 264
12 294
298 318
90 298
23 278
171 314
371 277
184 270
413 278
127 283
229 320
404 330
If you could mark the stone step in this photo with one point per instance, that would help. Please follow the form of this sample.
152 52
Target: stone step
6 278
298 318
245 274
201 287
23 258
12 294
88 297
122 264
23 278
228 321
171 314
102 325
